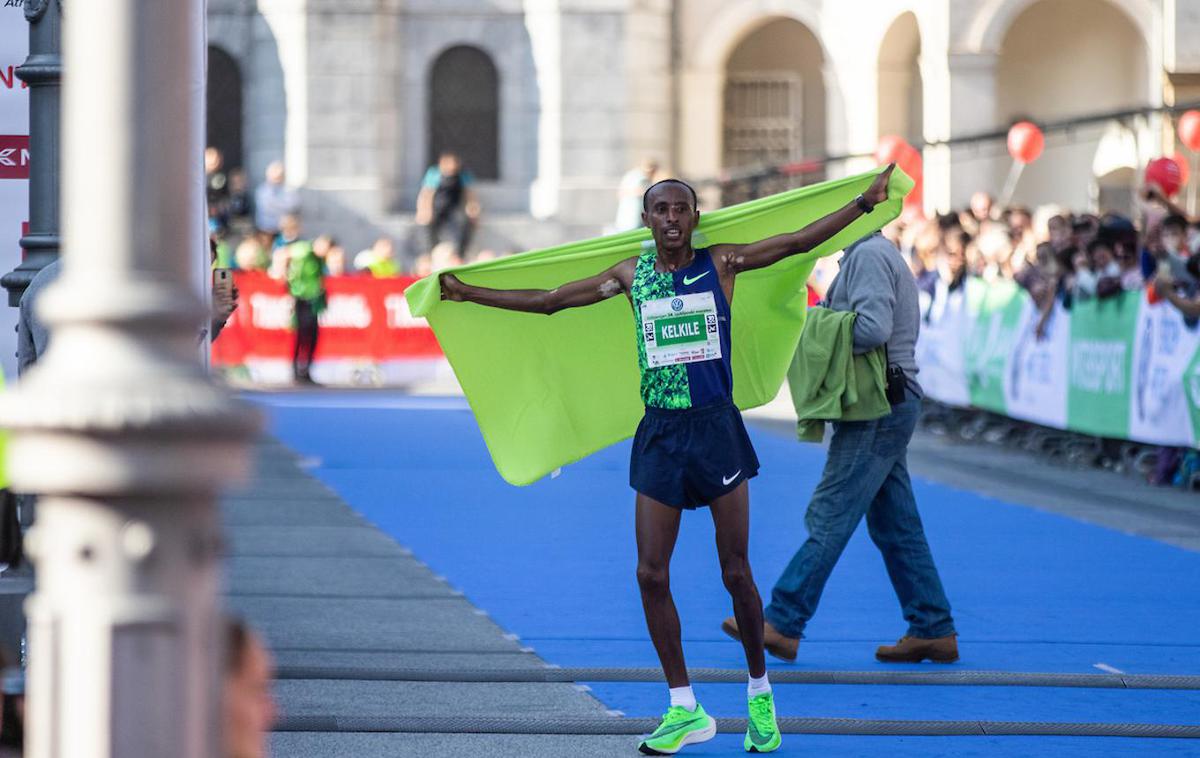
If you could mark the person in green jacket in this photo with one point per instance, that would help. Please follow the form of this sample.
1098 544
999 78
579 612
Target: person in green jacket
306 285
379 260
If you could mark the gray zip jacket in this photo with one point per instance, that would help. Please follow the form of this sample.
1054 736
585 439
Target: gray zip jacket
875 283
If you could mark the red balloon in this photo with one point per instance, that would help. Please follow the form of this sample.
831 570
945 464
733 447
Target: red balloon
914 201
1165 173
891 148
1189 130
1025 142
1184 170
911 163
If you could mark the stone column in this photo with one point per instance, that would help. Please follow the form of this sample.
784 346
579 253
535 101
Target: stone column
543 23
117 427
960 99
603 69
701 106
351 59
852 123
41 71
287 21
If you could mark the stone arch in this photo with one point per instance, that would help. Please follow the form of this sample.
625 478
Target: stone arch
1045 71
991 24
737 20
248 38
900 86
464 109
995 17
506 40
774 96
224 111
700 148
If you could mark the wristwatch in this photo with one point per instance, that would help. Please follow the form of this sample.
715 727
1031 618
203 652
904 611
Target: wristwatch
863 205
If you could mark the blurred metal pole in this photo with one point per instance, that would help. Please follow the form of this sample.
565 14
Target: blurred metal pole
41 71
1193 181
117 426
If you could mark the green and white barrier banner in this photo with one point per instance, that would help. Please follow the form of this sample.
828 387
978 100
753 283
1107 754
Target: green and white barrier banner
1118 367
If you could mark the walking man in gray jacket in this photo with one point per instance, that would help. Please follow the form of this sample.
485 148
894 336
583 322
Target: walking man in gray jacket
866 474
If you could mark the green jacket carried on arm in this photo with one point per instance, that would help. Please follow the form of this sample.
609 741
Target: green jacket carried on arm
829 382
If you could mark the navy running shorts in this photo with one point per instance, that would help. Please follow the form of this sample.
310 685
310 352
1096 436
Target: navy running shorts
688 458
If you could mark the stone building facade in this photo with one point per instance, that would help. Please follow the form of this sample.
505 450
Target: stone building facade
561 97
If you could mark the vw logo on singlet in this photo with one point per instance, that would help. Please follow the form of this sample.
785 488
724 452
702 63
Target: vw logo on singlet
677 305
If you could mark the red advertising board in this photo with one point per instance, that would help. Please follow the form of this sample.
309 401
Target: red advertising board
367 320
14 156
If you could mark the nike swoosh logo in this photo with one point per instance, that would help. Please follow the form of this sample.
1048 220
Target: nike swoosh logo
690 280
662 732
727 480
757 737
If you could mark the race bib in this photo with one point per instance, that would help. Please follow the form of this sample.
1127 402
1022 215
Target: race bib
680 329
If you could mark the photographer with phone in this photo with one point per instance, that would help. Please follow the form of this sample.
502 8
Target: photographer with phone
224 297
867 475
224 292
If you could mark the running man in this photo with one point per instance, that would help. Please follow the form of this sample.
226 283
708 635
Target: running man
691 447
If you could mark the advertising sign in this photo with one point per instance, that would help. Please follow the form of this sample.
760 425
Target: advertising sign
367 335
1119 367
14 164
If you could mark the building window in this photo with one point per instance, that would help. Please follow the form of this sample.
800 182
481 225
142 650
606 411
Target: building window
763 119
774 108
464 110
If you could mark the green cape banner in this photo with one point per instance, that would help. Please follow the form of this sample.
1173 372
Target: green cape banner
550 390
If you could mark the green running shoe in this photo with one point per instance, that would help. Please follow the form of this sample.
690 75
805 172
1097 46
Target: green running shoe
762 733
679 727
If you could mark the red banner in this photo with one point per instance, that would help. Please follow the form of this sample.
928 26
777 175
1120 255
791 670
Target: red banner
367 320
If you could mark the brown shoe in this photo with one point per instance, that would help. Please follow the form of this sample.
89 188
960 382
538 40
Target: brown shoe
775 642
915 650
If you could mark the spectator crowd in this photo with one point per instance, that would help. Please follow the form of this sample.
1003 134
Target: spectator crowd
1060 258
258 229
263 231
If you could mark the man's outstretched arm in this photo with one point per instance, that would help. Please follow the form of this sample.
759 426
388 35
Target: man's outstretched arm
594 289
738 258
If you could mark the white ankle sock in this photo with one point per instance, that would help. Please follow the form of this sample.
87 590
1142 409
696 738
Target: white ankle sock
683 696
758 686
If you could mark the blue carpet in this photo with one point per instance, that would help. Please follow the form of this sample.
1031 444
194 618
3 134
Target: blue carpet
554 564
915 703
822 746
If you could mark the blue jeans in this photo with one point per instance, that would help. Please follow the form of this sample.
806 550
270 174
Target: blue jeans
866 474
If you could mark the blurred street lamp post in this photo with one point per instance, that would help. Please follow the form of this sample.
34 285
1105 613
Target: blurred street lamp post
42 71
118 427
